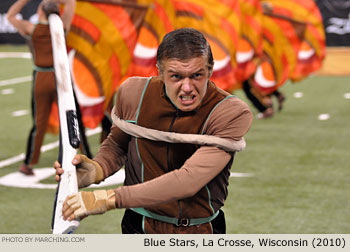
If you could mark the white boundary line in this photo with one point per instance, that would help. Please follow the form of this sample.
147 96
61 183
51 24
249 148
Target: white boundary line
23 55
44 148
16 80
12 160
19 180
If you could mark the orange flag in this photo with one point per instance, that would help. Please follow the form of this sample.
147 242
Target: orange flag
101 43
218 20
158 21
312 50
282 37
250 43
313 47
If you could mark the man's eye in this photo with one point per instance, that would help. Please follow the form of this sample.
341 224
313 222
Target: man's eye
176 76
196 75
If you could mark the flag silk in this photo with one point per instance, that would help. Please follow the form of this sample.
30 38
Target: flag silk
266 41
271 40
158 21
220 25
101 42
312 49
282 39
249 47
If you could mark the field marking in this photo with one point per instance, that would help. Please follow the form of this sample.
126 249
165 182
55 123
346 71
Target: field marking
94 131
7 91
19 180
12 160
23 55
43 148
16 80
20 113
241 175
323 117
298 95
347 95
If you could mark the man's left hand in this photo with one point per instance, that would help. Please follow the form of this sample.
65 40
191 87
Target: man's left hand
83 203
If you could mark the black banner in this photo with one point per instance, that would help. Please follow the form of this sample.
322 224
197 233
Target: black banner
8 34
336 21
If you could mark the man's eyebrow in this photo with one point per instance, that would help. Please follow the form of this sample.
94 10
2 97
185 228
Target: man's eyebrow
172 71
179 72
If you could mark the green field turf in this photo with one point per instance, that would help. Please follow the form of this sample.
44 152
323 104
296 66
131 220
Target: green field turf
300 164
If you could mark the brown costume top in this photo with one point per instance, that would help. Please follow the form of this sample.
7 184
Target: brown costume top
42 46
176 180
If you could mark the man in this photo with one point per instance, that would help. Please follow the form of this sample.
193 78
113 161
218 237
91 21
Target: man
177 135
44 87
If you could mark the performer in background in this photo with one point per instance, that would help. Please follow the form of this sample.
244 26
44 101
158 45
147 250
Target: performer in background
43 86
263 102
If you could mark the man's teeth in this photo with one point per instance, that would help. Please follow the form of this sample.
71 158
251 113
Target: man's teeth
187 97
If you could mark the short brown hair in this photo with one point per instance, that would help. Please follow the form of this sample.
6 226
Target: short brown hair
182 44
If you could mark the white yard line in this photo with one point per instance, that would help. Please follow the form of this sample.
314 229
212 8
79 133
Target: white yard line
13 81
19 180
23 55
12 160
44 148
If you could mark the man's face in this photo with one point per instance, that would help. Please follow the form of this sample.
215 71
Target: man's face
185 81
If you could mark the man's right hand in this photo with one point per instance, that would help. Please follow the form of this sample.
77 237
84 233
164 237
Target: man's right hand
88 171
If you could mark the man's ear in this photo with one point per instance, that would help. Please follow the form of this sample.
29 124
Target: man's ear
160 72
210 72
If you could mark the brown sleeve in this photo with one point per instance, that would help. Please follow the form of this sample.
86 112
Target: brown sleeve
113 151
231 119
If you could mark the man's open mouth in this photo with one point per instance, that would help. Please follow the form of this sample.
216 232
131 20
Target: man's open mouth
187 97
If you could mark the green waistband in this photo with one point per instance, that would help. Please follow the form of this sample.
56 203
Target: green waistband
175 221
44 69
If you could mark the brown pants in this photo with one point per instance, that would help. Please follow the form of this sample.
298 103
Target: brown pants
43 95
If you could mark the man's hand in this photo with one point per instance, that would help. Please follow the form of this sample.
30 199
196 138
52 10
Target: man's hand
82 204
88 171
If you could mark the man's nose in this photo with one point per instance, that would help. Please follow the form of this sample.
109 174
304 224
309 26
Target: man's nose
187 85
